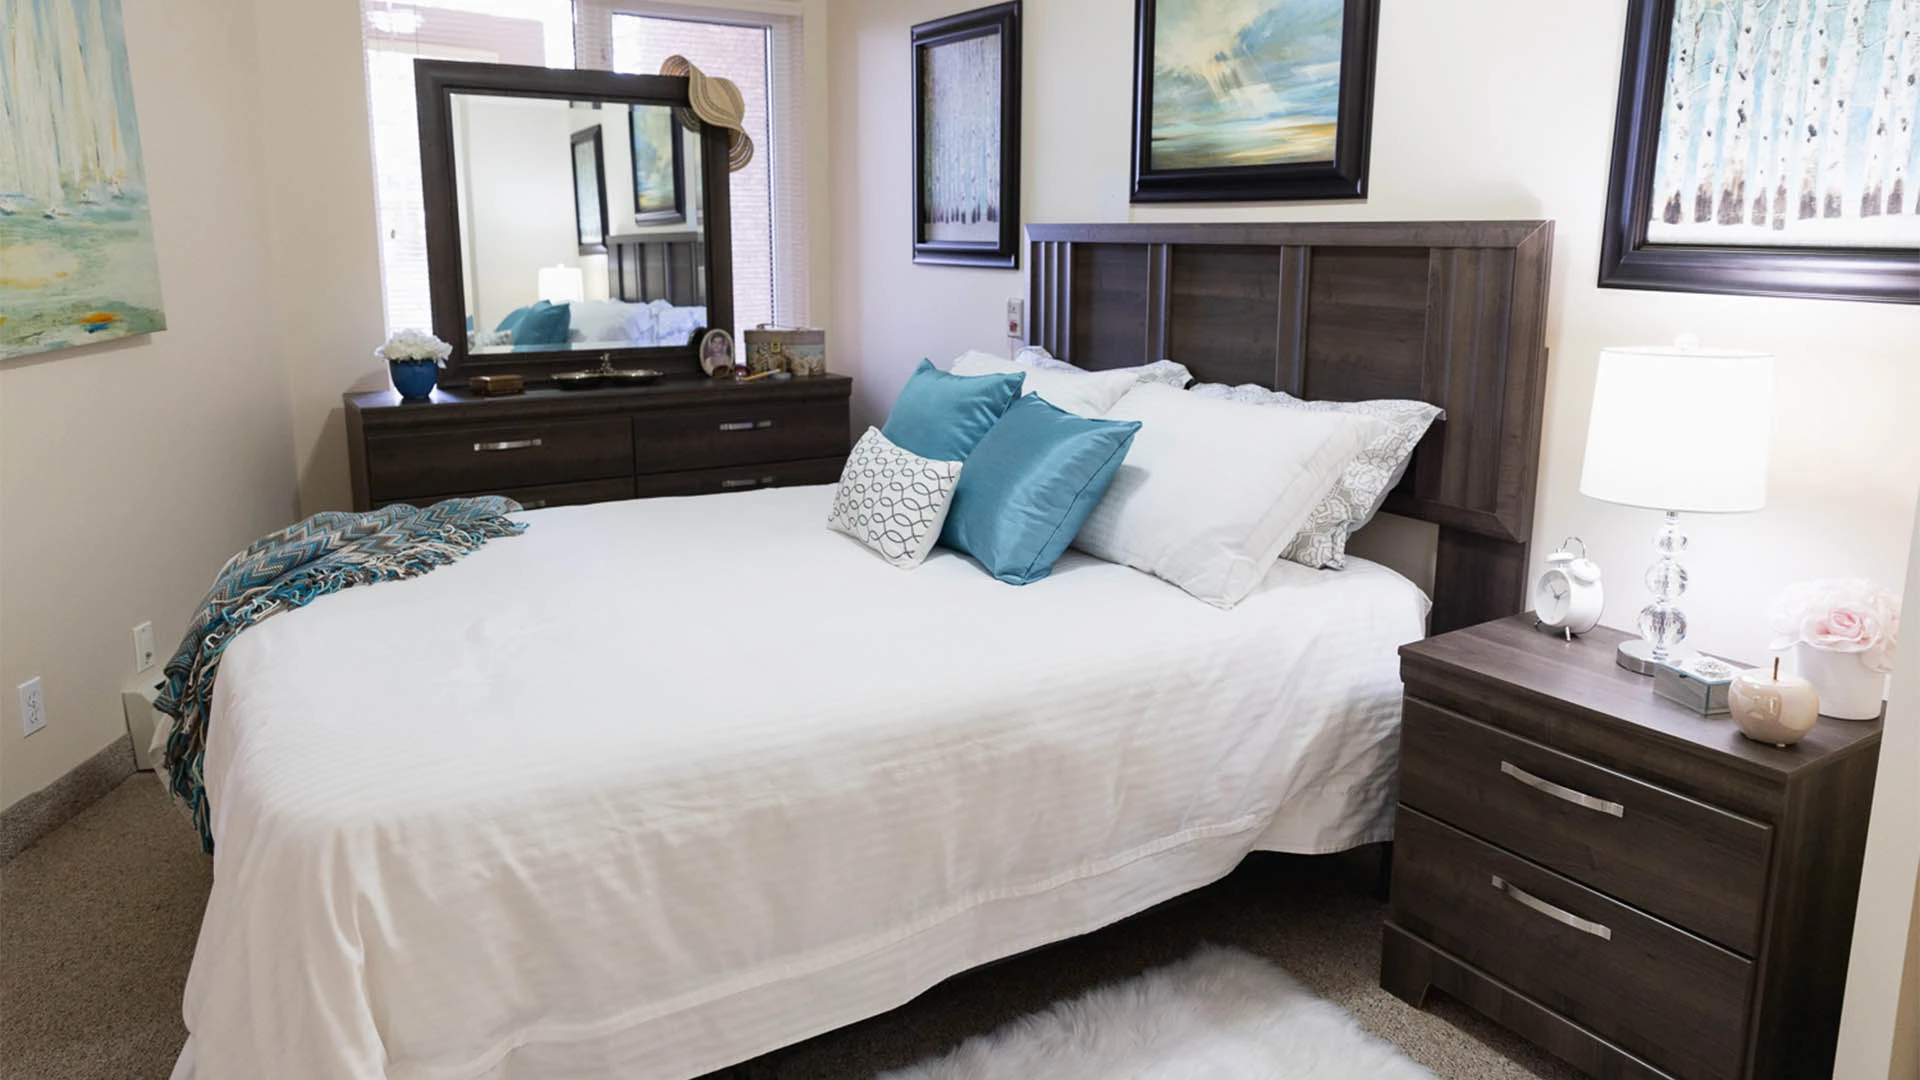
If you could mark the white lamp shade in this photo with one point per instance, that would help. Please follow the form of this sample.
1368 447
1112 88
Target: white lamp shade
1678 428
561 284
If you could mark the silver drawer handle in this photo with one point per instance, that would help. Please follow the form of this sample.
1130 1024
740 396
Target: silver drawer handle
1559 915
746 425
746 482
510 444
1558 792
534 504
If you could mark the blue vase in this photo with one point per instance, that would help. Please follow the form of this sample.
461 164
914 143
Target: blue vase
413 378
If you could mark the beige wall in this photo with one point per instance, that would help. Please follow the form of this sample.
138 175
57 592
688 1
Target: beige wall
1483 109
1880 1027
130 471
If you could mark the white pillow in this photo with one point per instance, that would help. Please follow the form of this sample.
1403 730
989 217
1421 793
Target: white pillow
601 320
892 499
1163 372
1089 394
1213 490
1373 472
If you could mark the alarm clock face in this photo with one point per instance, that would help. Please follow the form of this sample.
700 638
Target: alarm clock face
1553 598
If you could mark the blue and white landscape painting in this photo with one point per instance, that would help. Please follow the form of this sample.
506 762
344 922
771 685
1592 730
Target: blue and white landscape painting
1244 82
77 263
1790 123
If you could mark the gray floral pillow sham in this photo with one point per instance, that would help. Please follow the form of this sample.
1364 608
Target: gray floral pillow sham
1322 541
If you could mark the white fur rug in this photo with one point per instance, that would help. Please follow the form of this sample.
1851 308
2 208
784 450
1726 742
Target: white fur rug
1220 1014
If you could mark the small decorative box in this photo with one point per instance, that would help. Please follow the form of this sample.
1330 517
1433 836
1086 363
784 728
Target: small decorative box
1698 682
495 385
802 352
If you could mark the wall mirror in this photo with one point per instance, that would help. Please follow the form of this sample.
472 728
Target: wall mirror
571 216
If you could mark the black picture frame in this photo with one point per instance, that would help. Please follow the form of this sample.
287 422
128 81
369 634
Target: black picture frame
1628 261
586 214
676 137
1003 252
1344 177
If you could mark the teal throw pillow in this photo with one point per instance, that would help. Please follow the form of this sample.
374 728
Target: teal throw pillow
943 416
1029 486
544 325
517 316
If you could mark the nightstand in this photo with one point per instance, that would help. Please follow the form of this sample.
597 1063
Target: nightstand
1639 889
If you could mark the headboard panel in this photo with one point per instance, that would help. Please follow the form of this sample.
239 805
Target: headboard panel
1451 312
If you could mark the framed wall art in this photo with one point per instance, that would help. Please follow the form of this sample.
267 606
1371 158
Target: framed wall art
590 191
659 166
966 138
1766 148
1252 100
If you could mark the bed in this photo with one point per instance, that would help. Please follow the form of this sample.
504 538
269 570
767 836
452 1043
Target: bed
663 784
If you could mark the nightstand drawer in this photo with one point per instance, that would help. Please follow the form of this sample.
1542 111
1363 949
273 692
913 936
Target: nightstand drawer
1683 860
747 435
1650 988
497 457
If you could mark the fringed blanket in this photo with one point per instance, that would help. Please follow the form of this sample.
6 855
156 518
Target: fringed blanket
287 569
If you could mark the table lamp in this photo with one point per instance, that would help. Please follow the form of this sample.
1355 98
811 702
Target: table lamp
1674 429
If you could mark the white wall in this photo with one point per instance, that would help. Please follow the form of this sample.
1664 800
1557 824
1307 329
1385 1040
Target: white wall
131 470
1880 1026
516 155
1483 109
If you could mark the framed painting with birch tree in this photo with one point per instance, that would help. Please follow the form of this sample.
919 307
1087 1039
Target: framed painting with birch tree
1766 147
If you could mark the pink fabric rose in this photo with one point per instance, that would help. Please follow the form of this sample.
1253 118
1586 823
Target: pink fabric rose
1849 616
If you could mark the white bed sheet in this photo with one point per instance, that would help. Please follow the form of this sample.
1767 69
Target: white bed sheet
661 785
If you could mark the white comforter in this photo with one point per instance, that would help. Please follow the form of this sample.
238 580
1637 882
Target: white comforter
661 785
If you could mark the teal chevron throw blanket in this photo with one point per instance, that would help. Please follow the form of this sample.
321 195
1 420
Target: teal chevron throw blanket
287 569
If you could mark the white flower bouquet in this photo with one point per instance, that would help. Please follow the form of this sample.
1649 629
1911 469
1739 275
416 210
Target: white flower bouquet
1842 615
413 346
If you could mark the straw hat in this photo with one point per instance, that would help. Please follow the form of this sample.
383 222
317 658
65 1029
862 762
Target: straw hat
717 102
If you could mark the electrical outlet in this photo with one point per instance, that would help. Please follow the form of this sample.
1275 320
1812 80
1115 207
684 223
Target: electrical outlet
143 646
33 707
1016 318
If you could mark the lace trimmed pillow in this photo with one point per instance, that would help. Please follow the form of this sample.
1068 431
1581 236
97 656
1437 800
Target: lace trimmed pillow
1322 541
1158 373
892 499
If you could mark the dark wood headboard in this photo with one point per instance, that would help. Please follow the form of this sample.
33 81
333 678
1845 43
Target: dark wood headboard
1451 312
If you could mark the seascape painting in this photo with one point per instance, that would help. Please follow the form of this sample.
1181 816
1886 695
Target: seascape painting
1789 123
657 167
960 118
77 263
1244 82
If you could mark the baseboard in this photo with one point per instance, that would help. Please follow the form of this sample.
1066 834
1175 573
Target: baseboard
61 801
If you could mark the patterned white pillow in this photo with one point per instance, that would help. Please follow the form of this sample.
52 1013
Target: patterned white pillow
1322 541
892 499
1158 373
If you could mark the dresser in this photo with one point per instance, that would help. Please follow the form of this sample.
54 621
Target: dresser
1636 888
686 436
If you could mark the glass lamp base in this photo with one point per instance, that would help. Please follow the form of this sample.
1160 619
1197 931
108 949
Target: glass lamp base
1636 655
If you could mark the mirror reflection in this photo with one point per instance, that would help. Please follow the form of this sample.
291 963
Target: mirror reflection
580 225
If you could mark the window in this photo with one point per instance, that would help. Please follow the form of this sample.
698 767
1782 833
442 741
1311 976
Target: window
535 32
760 52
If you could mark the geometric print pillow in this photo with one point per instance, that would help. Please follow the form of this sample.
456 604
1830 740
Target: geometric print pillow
892 499
1322 541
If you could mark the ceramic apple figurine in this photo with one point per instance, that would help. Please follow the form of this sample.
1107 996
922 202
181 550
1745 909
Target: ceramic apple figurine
1770 708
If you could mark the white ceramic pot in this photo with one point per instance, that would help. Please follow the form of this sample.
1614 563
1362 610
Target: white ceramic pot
1848 689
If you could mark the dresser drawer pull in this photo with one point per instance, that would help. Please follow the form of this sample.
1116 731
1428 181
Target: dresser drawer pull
746 425
1559 915
745 482
533 504
510 444
1558 792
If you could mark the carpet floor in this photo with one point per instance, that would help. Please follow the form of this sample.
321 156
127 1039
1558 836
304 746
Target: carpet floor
98 920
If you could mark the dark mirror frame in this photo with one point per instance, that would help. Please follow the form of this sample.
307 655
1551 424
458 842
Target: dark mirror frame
435 83
1627 261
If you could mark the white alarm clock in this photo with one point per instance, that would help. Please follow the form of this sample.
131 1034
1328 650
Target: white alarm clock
1567 596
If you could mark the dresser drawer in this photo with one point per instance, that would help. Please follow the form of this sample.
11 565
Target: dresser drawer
1683 860
541 496
497 458
740 478
747 435
1656 991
